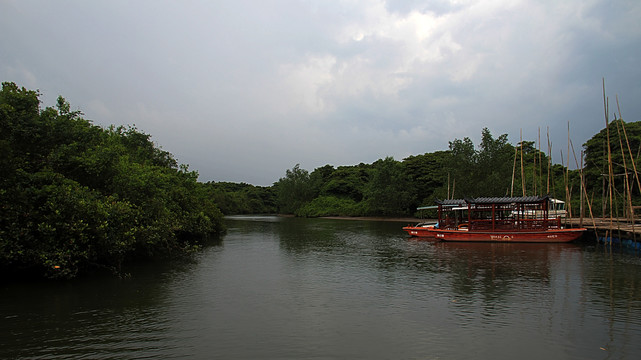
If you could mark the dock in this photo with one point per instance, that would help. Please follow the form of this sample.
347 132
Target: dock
618 231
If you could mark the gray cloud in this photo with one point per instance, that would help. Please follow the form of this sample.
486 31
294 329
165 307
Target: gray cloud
244 90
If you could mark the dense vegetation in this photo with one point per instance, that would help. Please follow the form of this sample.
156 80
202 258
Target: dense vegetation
494 168
620 142
76 197
395 188
238 199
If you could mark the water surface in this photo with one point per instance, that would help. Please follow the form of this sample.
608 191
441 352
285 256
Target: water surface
288 288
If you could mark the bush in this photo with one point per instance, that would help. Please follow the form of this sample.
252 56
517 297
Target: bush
329 206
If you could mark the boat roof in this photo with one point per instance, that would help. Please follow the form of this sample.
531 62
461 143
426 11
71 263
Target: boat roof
509 200
451 202
493 200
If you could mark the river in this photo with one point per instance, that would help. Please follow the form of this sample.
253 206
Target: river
289 288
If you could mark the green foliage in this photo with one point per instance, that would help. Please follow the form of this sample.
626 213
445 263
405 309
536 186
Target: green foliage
330 206
390 191
346 182
496 168
493 163
294 190
77 197
427 176
483 172
234 199
624 153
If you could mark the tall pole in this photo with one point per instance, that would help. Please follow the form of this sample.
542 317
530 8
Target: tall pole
634 166
625 133
567 177
522 170
610 174
549 159
627 193
581 210
516 151
540 166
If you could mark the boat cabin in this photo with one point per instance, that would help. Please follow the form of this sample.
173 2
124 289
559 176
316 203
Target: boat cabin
497 214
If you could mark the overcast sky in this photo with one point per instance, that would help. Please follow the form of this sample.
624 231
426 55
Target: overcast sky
244 90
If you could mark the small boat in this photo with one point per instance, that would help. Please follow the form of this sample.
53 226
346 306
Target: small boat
422 229
497 219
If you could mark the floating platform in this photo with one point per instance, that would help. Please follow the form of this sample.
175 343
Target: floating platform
616 231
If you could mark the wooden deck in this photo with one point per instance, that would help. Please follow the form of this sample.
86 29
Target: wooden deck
618 227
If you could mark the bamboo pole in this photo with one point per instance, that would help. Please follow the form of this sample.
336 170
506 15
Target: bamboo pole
627 193
581 209
625 133
516 151
522 169
582 185
549 159
604 197
634 166
584 193
540 165
568 196
566 185
607 128
534 187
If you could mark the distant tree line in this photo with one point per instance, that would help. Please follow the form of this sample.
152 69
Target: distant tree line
75 197
495 167
396 188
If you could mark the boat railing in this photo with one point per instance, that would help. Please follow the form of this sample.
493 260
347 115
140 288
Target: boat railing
501 224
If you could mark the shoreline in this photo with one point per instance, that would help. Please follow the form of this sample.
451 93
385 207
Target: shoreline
374 218
412 220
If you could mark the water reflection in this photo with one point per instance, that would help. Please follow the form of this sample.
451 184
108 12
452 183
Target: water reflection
487 265
321 288
106 316
614 277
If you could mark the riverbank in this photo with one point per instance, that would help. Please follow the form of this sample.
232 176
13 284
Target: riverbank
375 218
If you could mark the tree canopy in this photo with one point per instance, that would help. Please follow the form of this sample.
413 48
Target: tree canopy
613 153
76 197
495 168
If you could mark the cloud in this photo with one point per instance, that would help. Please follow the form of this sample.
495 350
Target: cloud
302 83
244 90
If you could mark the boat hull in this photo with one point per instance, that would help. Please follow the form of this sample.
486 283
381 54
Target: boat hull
543 236
420 231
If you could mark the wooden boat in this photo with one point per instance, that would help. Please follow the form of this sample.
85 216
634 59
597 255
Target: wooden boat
422 229
497 219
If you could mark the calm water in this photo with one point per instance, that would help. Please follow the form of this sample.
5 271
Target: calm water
285 288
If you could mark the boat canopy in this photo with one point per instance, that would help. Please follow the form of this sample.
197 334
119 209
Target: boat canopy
493 200
463 203
427 207
452 202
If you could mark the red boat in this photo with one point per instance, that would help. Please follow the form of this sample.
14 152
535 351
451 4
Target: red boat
497 219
